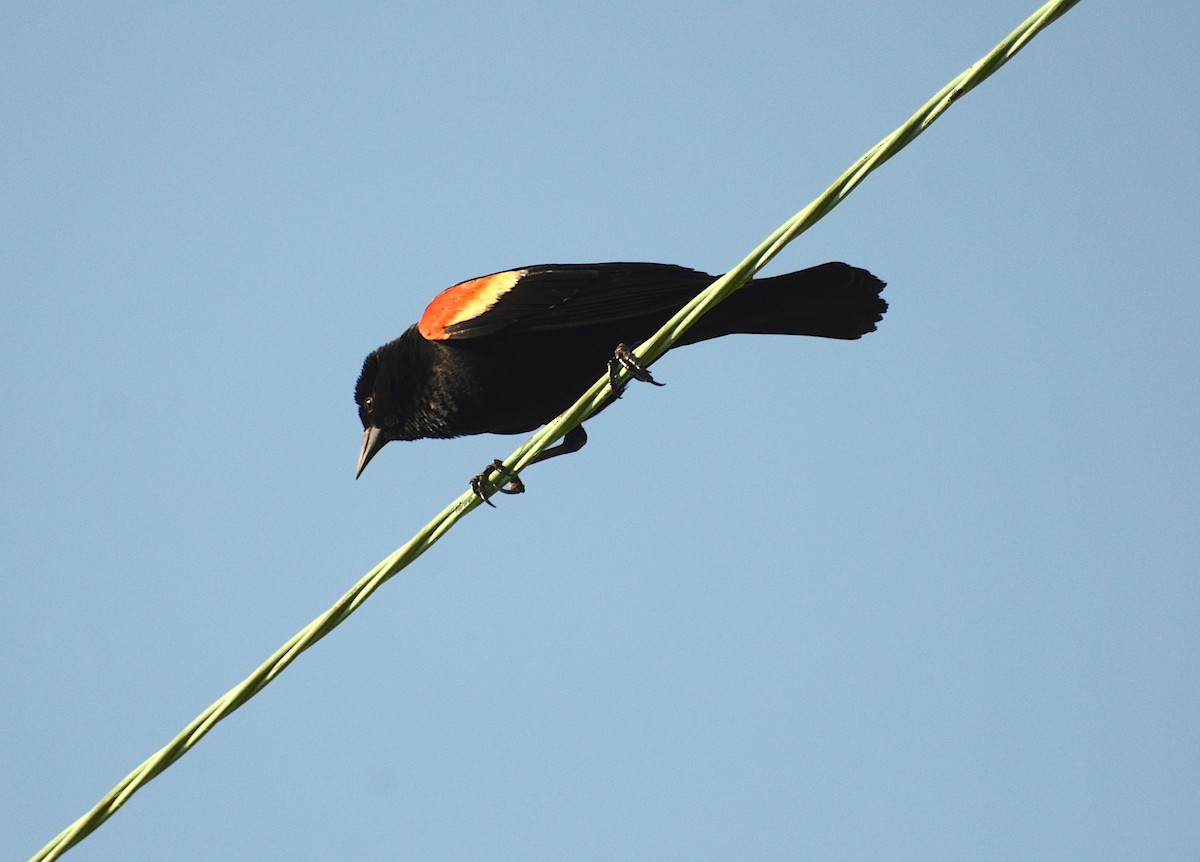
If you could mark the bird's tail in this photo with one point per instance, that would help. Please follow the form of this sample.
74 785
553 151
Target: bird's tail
833 300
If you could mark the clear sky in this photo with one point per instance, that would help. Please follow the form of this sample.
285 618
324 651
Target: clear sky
929 595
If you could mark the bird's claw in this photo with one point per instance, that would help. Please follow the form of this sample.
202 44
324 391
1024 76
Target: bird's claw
623 358
480 483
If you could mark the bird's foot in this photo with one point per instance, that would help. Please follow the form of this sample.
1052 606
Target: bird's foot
623 358
480 483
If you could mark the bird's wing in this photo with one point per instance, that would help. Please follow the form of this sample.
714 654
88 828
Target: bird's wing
558 296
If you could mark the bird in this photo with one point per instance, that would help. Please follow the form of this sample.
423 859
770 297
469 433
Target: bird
508 352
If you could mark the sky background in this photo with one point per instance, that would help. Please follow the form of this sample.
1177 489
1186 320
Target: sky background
928 595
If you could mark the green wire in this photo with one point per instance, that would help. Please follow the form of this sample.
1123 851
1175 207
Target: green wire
649 351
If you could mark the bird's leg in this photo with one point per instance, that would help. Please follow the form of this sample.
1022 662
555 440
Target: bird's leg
479 484
623 358
572 441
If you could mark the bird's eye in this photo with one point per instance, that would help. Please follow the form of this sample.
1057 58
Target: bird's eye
369 403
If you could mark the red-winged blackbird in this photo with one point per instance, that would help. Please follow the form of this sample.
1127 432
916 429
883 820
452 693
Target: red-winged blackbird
506 353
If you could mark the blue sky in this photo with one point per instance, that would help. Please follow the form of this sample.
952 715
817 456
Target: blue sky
928 595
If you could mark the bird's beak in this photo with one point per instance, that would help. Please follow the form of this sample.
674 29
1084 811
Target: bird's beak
373 441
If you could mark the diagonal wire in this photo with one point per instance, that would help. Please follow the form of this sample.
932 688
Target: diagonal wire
649 351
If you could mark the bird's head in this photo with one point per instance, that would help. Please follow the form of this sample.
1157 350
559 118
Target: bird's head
376 409
396 396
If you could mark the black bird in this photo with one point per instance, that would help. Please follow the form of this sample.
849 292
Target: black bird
508 352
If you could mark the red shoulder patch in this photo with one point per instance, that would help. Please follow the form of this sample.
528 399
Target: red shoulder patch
465 301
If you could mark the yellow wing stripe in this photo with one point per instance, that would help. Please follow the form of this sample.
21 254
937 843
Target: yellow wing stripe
465 301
